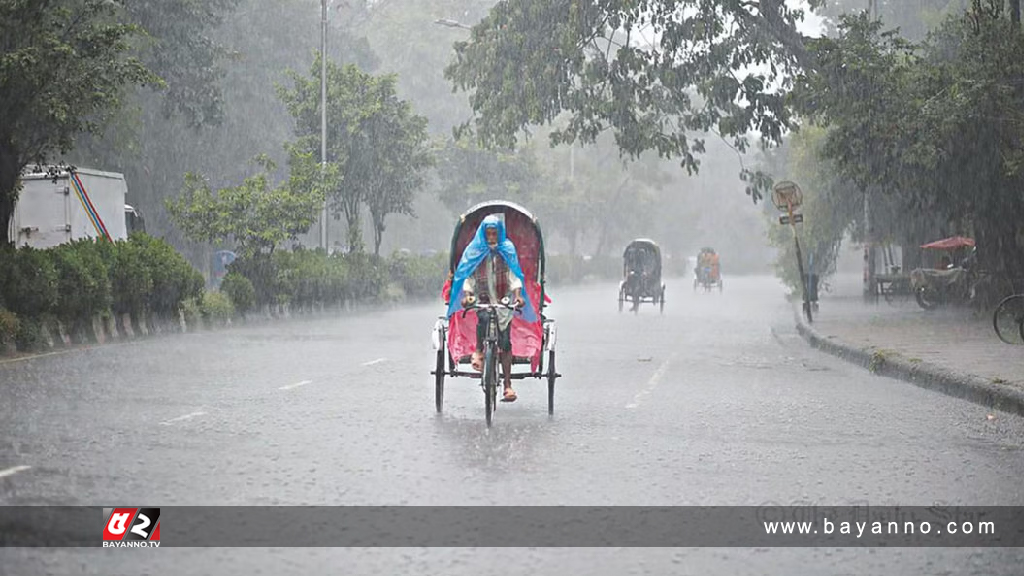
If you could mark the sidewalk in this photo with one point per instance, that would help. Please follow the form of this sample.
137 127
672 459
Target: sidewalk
948 350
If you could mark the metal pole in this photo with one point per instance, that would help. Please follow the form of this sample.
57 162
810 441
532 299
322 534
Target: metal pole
323 115
800 267
572 162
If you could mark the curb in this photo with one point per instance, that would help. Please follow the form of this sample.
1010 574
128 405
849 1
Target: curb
922 374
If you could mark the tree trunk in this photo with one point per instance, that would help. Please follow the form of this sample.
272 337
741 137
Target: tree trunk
355 231
1015 12
10 167
378 234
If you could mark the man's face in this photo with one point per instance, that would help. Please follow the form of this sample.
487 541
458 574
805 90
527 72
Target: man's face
492 237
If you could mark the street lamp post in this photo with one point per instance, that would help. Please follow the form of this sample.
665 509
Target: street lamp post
787 197
323 115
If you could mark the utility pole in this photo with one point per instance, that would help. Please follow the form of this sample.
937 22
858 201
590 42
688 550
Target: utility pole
323 115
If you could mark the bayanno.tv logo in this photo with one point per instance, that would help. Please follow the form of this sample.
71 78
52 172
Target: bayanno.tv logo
131 528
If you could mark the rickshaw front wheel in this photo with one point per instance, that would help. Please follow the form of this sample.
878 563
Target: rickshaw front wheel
552 376
926 299
490 378
439 381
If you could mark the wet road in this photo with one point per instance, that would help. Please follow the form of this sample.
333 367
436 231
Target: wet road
716 402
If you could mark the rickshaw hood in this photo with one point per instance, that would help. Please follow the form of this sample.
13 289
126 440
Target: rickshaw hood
475 253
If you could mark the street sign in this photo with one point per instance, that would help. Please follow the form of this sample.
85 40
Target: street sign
787 195
797 218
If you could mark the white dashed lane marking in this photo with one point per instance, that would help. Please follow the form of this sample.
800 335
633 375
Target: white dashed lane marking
651 384
13 471
181 418
296 385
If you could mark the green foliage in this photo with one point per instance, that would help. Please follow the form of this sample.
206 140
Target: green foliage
173 278
530 61
239 291
217 308
28 285
191 309
130 278
9 327
418 276
831 207
375 143
253 215
30 335
913 19
934 131
181 48
469 174
83 282
62 72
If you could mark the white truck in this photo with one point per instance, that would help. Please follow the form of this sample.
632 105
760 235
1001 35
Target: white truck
58 204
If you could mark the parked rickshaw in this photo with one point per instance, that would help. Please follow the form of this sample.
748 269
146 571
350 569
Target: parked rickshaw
641 275
953 278
454 337
707 273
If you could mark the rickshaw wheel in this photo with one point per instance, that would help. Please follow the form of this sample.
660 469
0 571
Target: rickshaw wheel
661 300
439 381
925 299
490 377
1008 319
551 382
621 299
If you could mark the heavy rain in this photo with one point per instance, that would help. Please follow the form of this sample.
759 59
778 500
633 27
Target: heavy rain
512 287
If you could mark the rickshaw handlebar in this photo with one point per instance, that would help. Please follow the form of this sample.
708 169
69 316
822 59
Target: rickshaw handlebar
489 307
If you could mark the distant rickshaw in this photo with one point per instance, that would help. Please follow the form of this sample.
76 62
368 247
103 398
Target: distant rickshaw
641 275
708 272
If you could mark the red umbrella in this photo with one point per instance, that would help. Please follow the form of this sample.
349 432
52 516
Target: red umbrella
951 243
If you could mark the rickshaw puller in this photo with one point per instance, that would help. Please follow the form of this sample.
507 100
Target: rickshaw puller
493 278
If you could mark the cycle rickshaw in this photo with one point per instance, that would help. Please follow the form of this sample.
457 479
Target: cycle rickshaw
533 342
707 273
641 275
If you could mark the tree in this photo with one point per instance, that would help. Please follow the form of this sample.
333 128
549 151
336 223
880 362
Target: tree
374 138
62 72
934 131
651 72
181 48
394 156
912 19
468 174
255 216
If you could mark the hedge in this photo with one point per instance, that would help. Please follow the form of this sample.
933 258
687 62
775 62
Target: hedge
307 279
75 282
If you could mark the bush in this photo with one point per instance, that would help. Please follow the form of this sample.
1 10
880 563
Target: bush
28 285
239 291
83 283
174 280
418 276
30 335
217 308
8 329
367 277
192 310
262 273
130 279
